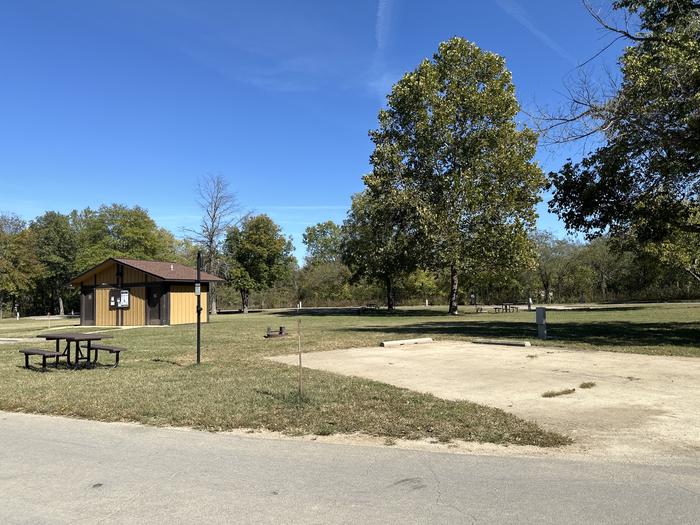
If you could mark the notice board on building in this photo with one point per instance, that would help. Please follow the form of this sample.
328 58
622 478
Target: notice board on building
119 299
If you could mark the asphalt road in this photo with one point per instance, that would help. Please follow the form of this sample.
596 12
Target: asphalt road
57 470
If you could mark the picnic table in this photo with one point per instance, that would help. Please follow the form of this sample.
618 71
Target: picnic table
505 307
77 338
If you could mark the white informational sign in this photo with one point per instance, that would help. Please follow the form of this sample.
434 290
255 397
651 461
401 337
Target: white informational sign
124 299
197 289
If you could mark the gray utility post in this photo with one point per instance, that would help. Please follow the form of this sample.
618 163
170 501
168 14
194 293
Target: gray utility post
541 316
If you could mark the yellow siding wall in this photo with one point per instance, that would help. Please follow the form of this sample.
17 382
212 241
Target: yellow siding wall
183 304
103 315
135 315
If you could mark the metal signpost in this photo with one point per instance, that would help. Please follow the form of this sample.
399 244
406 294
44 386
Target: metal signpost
198 293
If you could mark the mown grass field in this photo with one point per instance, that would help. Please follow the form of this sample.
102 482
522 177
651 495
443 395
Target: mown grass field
235 387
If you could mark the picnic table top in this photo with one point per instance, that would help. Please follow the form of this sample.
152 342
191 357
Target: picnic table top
73 336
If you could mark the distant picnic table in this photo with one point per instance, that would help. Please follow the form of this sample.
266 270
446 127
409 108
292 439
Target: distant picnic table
505 307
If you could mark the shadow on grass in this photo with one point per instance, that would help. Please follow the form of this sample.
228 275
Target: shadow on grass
368 313
598 333
442 312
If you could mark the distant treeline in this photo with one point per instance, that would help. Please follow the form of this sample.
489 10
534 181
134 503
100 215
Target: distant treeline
39 257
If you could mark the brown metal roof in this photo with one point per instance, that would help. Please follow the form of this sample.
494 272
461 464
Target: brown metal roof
166 271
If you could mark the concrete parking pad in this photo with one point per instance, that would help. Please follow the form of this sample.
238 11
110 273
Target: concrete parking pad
640 407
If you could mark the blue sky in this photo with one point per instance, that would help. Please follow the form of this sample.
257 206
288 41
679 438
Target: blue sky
130 101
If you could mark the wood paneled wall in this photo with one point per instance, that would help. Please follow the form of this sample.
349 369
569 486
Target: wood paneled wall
107 276
132 275
183 304
103 315
135 315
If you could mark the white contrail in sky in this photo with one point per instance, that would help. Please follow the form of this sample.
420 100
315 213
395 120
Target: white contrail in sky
381 80
381 27
516 11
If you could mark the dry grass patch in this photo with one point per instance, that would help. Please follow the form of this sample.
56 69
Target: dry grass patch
557 393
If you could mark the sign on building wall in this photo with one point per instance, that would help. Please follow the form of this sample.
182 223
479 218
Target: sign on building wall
119 299
124 299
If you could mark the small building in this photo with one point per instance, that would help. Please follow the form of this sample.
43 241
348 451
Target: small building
128 292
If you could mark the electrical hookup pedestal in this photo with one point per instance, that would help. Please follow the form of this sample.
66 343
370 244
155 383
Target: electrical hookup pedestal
541 317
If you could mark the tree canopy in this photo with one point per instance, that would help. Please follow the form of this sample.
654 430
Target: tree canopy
119 231
257 255
377 239
644 181
448 142
59 243
323 243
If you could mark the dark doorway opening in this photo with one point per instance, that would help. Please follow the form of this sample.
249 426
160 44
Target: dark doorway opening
87 307
156 304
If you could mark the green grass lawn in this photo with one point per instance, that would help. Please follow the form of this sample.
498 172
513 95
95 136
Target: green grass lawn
235 387
26 327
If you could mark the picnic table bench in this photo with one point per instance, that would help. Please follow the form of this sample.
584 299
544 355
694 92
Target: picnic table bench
116 350
43 353
69 338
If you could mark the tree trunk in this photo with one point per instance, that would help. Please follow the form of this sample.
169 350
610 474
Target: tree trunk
245 296
61 311
604 288
389 293
212 306
454 282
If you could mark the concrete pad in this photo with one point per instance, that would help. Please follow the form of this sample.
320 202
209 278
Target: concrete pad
641 405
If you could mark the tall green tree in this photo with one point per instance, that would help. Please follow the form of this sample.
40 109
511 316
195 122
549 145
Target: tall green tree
19 265
257 255
377 241
645 178
448 139
323 243
57 244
